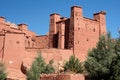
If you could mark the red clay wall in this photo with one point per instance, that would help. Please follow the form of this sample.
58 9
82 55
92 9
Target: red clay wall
14 48
13 53
1 46
42 41
63 77
86 38
84 32
58 55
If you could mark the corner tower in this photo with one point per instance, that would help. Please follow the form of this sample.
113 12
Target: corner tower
76 23
102 22
53 29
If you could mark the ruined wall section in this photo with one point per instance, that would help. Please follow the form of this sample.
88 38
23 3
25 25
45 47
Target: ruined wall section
42 41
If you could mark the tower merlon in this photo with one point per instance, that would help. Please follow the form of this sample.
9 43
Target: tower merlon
76 11
76 6
101 12
63 18
23 26
2 19
101 17
54 14
97 16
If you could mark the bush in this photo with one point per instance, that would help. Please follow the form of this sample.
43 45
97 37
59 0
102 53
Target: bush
3 75
73 65
49 68
39 67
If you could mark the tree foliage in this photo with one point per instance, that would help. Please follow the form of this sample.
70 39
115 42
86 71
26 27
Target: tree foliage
38 67
100 60
3 75
73 65
115 66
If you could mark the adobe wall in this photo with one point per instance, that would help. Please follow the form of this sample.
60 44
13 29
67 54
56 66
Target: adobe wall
30 42
1 46
14 50
53 30
62 77
87 38
84 32
58 55
42 41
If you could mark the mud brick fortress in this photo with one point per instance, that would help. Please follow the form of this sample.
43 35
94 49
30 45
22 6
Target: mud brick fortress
75 35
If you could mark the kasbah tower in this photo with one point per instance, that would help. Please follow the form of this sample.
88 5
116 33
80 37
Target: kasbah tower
67 36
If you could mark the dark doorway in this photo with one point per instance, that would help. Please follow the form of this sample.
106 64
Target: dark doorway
55 40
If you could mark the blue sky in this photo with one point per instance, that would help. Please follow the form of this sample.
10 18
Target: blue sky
36 13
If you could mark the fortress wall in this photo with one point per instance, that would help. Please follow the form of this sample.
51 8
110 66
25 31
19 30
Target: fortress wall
1 46
58 55
92 35
42 41
88 38
63 77
14 50
30 42
29 33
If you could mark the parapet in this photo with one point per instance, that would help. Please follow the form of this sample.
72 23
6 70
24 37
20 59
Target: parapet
101 12
22 26
54 14
2 19
76 6
63 18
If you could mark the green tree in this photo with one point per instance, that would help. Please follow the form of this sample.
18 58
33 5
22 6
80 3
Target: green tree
73 65
49 68
99 60
38 67
115 66
3 75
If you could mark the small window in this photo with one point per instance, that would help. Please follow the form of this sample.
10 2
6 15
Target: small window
27 37
87 39
71 42
94 29
17 42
